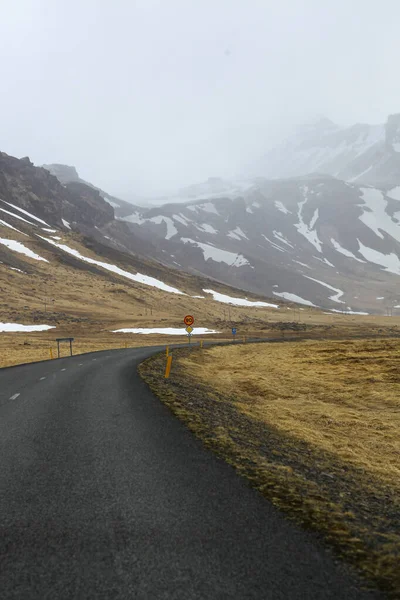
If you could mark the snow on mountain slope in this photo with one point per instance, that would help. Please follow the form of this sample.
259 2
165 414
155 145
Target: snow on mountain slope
144 279
318 240
360 153
63 240
21 249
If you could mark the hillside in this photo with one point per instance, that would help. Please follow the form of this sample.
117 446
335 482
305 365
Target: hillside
59 268
312 239
315 240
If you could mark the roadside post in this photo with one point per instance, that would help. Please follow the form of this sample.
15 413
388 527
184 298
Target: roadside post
189 320
167 351
58 340
234 332
168 367
51 353
189 330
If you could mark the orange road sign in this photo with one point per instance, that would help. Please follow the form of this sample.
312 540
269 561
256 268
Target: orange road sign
188 320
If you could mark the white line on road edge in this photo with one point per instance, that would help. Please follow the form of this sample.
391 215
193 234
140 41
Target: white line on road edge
80 364
63 369
41 379
15 396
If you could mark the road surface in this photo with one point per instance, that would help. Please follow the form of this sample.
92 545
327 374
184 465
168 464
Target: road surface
105 495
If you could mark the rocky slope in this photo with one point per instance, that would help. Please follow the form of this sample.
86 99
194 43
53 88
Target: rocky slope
316 240
323 230
64 259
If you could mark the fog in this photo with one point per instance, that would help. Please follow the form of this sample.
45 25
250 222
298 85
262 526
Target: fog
146 96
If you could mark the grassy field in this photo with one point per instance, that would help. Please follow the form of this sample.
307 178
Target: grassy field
315 425
87 302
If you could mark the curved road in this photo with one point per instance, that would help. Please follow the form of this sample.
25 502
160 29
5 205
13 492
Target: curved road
105 495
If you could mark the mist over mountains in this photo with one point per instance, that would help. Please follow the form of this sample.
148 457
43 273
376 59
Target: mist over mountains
315 221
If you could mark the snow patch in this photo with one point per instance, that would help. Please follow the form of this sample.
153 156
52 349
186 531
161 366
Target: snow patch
335 297
279 236
4 224
218 255
343 251
208 207
181 219
171 229
16 327
314 219
66 224
324 260
138 277
301 263
25 212
218 297
239 231
133 218
390 262
376 217
273 244
394 193
282 208
17 217
293 298
166 330
307 230
207 228
21 249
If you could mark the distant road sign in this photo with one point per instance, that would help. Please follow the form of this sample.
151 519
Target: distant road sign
188 320
189 329
233 330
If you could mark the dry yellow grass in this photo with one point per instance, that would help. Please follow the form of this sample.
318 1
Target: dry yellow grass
87 303
342 397
314 425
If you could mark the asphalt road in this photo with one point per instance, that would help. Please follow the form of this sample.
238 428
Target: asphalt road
104 494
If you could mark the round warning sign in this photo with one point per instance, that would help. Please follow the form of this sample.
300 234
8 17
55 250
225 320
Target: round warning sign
188 320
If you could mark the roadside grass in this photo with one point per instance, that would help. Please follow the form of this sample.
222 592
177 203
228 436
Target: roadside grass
314 425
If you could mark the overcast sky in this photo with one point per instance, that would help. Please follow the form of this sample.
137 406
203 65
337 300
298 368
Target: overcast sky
144 96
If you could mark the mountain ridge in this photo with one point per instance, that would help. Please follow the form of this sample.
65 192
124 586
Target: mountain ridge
368 154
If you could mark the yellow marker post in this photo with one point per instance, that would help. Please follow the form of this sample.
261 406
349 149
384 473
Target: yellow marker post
51 353
201 343
167 351
168 367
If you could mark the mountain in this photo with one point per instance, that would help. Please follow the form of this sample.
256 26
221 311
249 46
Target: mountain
368 154
67 175
313 239
66 260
